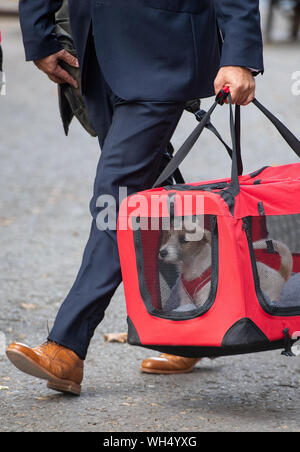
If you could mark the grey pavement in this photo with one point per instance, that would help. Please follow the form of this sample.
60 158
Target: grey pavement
9 7
45 185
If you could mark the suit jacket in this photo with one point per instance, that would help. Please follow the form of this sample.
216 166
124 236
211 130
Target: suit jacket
156 50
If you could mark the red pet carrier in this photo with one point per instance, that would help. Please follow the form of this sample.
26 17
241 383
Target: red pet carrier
213 268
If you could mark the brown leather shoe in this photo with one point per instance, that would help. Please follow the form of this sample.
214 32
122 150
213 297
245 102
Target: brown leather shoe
60 366
168 364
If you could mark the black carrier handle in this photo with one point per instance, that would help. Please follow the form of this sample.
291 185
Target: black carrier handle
235 130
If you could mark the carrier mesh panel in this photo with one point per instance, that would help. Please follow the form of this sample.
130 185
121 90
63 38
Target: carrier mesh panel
175 264
276 245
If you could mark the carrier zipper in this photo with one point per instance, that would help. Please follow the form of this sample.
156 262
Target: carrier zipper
204 187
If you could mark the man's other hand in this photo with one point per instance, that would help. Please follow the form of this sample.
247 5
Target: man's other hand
240 81
50 65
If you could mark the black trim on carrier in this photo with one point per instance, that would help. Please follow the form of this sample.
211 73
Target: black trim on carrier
245 332
224 191
214 352
243 337
204 187
272 309
133 337
258 172
214 280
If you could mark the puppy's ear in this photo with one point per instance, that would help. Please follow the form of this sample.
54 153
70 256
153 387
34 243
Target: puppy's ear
163 238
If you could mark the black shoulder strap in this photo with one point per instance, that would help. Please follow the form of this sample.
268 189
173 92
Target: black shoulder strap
180 155
199 114
185 148
291 140
238 139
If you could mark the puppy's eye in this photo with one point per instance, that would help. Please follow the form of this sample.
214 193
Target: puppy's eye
182 240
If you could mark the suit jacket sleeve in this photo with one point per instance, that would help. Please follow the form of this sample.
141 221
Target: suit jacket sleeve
239 21
37 18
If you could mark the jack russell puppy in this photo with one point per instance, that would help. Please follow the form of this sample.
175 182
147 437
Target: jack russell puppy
191 253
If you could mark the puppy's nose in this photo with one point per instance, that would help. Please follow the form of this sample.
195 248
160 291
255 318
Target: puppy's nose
163 253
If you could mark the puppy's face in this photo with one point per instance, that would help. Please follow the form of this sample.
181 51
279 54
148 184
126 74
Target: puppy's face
179 245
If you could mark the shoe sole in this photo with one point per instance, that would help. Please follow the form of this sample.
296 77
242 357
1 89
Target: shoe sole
166 372
30 367
64 386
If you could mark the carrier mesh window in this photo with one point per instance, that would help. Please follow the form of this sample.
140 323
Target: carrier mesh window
276 251
175 264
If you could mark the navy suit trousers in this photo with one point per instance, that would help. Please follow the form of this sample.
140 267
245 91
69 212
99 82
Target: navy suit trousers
132 137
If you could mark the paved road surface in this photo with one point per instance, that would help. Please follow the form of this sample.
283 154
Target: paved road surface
45 185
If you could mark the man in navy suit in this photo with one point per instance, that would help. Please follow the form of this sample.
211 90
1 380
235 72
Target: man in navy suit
141 60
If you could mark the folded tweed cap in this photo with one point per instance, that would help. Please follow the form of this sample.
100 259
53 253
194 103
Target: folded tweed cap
71 101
